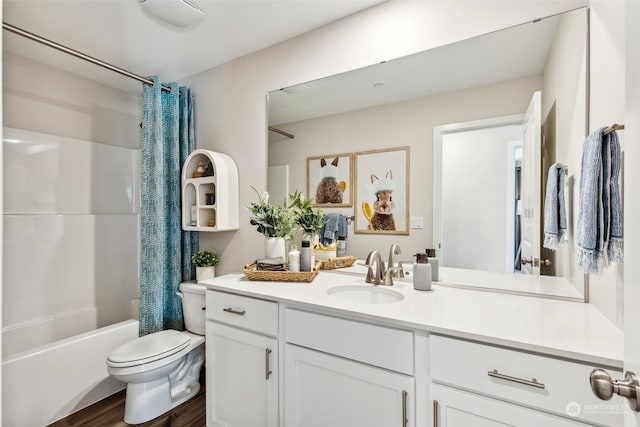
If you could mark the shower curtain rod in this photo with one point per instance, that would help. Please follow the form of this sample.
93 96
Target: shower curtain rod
65 49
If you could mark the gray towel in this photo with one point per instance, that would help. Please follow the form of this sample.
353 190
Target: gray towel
271 264
335 225
555 216
599 233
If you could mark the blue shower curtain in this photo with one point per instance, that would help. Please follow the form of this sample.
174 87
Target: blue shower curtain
165 259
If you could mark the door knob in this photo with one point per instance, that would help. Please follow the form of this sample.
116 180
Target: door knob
526 261
604 387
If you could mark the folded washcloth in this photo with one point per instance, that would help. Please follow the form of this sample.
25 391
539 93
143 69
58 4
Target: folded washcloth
599 232
271 264
335 225
555 217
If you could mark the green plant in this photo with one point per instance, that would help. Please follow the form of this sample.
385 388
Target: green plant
306 217
275 220
205 258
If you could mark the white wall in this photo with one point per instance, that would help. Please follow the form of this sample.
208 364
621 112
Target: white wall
231 111
404 123
71 214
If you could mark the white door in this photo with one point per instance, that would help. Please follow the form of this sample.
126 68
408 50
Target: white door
531 183
323 390
242 390
455 408
631 136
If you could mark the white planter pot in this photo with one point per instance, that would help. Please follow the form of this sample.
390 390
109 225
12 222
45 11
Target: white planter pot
274 247
203 273
313 238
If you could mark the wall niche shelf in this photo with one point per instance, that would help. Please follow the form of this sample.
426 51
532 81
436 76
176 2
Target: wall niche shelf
213 197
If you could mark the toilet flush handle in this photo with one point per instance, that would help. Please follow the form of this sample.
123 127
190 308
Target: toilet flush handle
180 294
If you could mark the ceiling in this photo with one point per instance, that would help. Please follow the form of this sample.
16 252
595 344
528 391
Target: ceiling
121 33
508 54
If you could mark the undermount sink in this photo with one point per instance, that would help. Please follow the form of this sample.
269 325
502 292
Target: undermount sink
365 294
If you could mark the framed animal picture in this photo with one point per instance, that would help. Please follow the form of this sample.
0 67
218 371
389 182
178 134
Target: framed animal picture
382 191
330 179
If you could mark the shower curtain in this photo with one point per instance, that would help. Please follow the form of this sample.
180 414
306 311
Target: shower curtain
165 259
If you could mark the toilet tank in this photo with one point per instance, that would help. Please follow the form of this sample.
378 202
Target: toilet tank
193 307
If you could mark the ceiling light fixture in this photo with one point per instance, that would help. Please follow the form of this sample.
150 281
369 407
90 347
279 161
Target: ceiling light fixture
179 13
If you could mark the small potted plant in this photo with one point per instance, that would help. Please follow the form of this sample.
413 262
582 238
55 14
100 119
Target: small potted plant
275 221
308 219
205 262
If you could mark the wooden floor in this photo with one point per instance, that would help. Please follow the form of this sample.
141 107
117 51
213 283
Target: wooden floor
110 412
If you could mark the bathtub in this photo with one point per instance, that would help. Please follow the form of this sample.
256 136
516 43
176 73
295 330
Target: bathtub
51 381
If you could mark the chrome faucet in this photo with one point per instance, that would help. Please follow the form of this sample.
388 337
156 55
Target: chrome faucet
374 277
391 269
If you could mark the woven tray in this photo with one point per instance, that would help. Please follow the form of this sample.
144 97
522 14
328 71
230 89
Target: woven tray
280 276
338 262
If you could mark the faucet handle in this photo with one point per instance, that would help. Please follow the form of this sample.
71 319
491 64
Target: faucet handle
390 274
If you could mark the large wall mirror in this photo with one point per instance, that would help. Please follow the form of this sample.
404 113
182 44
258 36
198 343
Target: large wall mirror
461 109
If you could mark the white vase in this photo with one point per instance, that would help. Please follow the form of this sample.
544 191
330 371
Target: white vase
274 247
313 238
203 273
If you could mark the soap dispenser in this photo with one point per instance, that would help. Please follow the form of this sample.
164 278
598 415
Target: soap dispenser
421 273
433 261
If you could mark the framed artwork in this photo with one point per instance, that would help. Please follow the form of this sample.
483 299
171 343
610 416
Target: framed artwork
382 191
330 179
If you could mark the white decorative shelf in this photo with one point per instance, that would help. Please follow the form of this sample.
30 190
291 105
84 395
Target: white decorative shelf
223 184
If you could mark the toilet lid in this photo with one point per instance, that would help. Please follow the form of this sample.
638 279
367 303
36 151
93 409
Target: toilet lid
149 348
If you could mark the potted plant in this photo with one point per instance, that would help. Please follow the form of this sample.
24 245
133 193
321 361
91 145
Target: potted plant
205 262
275 221
308 219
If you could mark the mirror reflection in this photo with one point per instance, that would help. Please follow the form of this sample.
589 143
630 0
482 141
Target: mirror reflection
431 101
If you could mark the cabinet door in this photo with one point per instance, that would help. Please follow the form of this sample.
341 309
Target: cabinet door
455 408
242 378
323 390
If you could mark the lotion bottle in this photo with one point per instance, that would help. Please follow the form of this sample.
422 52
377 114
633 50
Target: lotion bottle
433 260
294 259
421 274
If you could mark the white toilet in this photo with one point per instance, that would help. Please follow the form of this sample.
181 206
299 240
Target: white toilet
162 370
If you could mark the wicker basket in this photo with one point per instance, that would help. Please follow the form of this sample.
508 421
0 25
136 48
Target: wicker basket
339 262
279 276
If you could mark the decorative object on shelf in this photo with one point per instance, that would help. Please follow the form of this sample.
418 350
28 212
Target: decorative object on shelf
208 171
253 273
199 172
210 198
275 221
205 262
382 191
330 178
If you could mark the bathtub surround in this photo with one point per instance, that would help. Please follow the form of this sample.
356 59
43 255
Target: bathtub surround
166 250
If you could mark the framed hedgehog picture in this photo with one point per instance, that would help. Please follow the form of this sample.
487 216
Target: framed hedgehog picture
330 179
382 191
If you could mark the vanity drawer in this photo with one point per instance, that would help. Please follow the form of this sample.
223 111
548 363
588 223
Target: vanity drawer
551 384
245 312
373 344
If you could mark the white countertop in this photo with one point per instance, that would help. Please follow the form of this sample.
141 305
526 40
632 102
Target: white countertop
559 328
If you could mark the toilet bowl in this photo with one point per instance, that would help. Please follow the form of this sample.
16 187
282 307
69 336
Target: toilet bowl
162 370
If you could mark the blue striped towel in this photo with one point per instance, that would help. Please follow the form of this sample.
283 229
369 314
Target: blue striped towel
599 232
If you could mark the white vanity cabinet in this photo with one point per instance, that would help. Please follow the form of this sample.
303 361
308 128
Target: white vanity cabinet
345 373
242 361
483 385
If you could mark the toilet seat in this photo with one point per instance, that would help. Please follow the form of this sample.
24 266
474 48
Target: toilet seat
148 348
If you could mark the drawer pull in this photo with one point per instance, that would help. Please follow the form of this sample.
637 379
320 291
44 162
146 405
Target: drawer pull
533 382
267 363
232 311
405 421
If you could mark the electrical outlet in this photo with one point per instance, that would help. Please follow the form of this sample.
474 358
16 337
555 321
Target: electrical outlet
417 222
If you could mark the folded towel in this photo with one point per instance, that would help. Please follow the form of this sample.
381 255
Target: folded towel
270 264
555 217
599 232
335 225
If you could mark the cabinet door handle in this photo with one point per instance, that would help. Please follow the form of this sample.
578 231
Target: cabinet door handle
435 413
532 383
405 421
232 311
268 371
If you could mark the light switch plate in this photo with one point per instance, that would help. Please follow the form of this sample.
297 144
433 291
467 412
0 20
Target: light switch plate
417 222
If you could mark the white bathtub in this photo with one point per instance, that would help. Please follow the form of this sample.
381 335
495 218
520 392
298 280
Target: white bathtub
49 382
